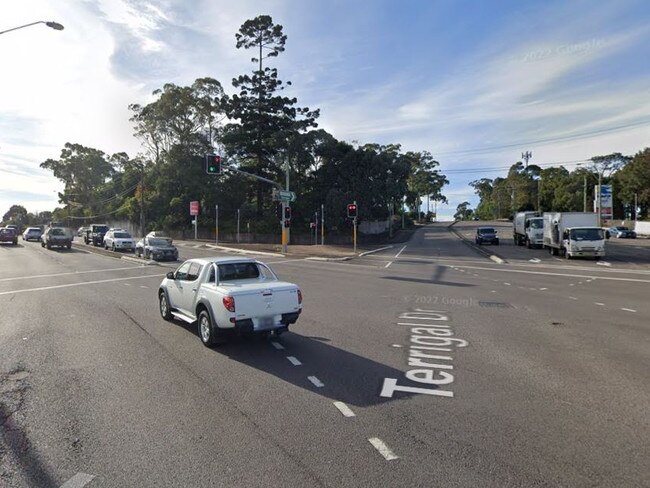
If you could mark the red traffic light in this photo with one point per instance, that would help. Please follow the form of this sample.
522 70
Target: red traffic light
352 210
287 212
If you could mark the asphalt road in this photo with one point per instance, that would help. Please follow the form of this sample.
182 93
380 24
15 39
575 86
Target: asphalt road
426 364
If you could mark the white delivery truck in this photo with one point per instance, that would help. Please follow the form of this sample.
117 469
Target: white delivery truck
573 234
528 229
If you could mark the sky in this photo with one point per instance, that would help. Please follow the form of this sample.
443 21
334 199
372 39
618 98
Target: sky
475 83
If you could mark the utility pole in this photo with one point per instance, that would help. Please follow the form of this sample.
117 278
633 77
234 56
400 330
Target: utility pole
216 225
526 156
238 213
322 224
142 199
584 194
600 193
539 209
636 203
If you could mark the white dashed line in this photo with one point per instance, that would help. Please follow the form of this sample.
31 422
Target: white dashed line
535 260
600 304
293 360
79 480
629 310
571 284
317 383
507 284
277 345
397 345
344 409
142 286
127 284
603 263
383 449
389 263
493 291
542 289
572 298
400 252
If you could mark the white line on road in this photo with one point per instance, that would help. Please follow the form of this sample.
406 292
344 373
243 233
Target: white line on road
389 263
493 291
318 383
629 310
397 345
383 449
127 284
277 345
344 409
400 252
69 285
542 289
507 284
79 480
143 286
603 263
572 298
535 260
600 304
505 270
69 273
293 360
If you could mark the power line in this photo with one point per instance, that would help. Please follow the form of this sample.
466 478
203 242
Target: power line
502 168
580 135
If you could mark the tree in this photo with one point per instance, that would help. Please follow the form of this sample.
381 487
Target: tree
17 215
463 212
634 179
265 121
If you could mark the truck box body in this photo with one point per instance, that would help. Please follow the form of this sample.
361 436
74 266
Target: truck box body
573 234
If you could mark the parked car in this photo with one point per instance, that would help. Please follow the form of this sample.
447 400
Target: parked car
156 248
119 239
8 234
81 231
486 235
225 295
95 234
56 237
160 234
621 232
32 233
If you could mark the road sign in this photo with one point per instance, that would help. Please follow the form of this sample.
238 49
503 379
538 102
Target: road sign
194 208
286 196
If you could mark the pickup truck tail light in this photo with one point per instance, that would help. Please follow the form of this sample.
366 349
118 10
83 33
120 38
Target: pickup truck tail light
299 297
229 303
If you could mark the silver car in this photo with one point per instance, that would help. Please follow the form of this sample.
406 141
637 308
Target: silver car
156 248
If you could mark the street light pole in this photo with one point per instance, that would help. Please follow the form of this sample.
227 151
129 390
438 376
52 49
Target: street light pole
52 25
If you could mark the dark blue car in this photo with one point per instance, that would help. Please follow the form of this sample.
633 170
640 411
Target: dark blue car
486 235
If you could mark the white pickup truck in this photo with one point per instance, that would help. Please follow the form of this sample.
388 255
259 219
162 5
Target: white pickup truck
225 295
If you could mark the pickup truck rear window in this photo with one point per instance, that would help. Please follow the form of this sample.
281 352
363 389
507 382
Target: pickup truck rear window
238 271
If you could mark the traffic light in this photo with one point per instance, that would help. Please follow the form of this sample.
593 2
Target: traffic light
212 164
352 210
287 223
287 212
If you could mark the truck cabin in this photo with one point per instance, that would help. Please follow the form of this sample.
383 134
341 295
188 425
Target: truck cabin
534 223
585 234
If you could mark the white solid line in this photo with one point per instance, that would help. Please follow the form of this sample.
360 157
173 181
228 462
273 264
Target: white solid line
79 480
629 310
344 409
600 303
69 273
505 270
389 263
277 345
318 383
400 252
293 360
42 288
383 449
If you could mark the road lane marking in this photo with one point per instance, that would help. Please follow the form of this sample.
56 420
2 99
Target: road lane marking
571 284
294 360
69 273
383 449
629 310
277 345
79 480
545 273
535 260
344 409
507 284
603 263
493 291
542 289
400 252
572 298
389 263
600 304
397 345
143 286
70 285
317 383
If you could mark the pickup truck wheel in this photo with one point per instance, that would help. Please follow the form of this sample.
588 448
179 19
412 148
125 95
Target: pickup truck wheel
528 245
48 245
69 245
146 254
113 247
165 312
207 332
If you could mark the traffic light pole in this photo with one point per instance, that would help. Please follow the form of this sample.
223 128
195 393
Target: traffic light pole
354 227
